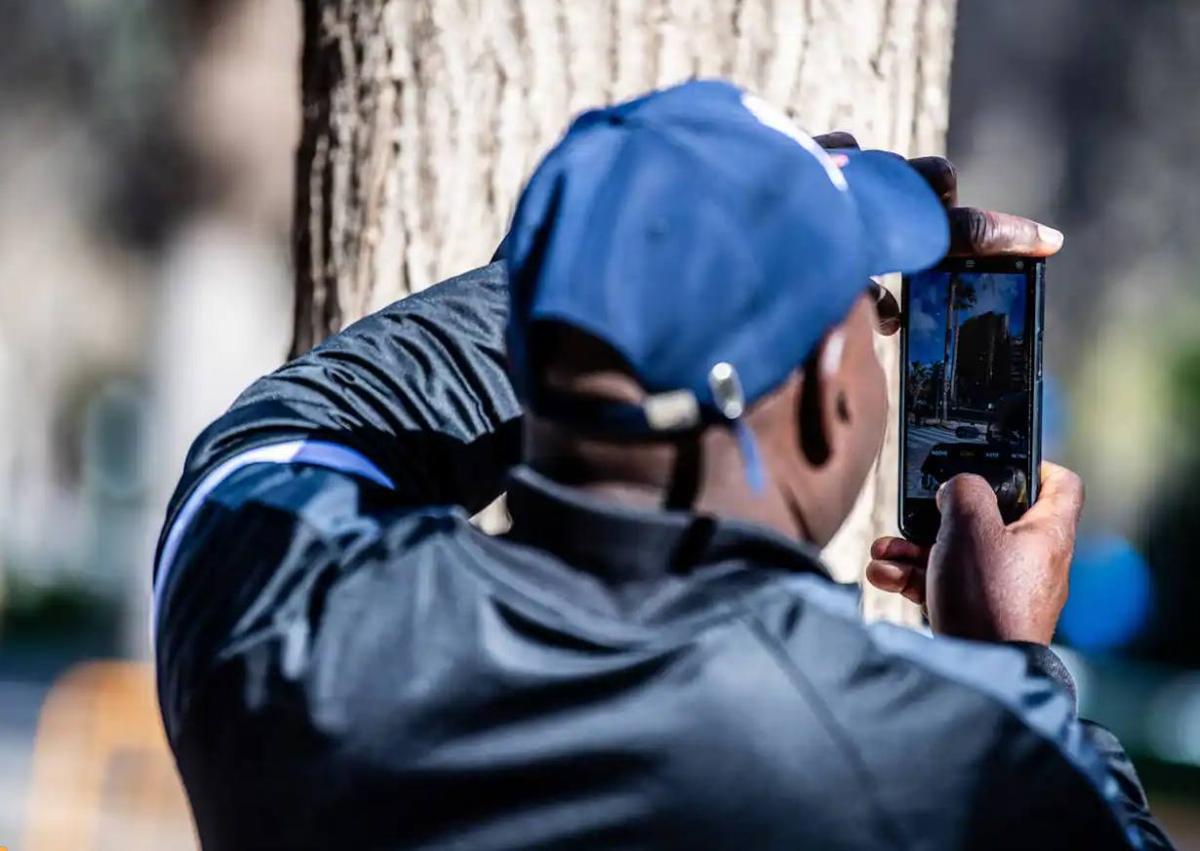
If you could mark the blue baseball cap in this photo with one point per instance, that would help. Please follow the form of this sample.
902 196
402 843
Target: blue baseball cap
712 244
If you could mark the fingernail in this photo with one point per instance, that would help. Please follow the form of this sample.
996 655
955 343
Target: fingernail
1050 236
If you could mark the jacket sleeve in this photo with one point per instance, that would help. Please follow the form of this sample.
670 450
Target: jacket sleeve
1049 779
1128 794
408 408
419 389
964 744
1121 784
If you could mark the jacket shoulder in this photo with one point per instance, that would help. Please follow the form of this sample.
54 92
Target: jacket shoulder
995 747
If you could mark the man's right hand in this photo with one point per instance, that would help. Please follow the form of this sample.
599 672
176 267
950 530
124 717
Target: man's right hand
982 579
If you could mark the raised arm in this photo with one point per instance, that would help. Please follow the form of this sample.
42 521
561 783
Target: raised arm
409 408
414 397
419 390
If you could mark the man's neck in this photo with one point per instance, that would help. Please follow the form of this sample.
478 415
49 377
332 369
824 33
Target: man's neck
703 474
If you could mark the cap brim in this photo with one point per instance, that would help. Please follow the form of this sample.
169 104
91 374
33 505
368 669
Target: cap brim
903 220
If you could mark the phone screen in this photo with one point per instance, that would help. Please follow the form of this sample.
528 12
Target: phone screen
971 372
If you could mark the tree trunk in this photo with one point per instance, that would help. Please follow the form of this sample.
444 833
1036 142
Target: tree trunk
423 117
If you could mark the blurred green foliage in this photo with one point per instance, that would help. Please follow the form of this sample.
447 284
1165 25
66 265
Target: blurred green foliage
1185 382
63 609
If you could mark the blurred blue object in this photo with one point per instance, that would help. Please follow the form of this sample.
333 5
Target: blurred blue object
1110 597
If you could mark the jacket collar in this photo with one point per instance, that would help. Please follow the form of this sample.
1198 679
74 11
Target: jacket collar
620 544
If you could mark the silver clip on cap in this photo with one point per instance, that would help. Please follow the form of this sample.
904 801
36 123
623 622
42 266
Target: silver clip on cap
731 402
727 390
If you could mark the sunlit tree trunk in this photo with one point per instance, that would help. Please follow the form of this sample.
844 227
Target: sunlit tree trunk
422 118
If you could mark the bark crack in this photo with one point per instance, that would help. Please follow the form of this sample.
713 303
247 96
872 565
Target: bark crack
885 38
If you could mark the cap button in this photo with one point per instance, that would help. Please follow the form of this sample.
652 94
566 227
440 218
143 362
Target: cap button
726 389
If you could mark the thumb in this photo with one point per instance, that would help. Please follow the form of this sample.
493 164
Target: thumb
968 503
1059 502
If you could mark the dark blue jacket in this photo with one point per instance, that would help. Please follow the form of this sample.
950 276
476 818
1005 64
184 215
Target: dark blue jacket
345 662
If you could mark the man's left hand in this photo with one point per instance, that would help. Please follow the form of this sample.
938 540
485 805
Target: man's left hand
973 232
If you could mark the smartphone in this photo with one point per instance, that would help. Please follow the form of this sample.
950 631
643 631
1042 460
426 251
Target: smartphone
970 384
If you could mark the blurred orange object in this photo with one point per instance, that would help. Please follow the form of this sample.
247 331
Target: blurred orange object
103 776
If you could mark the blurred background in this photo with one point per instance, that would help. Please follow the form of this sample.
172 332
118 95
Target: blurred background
146 167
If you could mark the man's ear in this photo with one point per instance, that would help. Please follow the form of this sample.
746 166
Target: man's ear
823 402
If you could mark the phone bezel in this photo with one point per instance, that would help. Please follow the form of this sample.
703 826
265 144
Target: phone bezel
918 518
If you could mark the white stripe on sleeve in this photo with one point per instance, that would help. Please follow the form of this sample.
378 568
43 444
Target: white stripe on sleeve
318 453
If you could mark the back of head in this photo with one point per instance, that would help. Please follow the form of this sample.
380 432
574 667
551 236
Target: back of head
676 259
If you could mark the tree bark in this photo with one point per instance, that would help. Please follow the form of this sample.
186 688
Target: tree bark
422 118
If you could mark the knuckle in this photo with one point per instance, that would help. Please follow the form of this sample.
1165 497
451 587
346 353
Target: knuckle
972 229
947 174
837 139
941 175
982 229
949 184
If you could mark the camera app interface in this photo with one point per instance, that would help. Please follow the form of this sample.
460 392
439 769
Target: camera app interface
967 383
